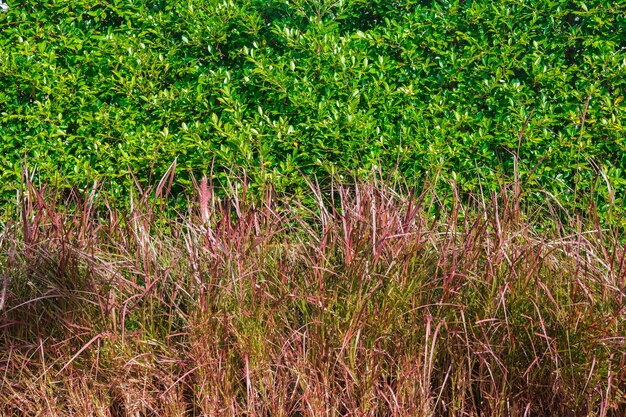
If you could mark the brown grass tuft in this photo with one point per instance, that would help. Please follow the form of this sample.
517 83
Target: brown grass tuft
370 301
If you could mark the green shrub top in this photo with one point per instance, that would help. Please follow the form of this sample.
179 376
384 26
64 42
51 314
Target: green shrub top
92 90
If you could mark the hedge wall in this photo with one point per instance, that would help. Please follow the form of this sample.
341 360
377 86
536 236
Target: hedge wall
92 89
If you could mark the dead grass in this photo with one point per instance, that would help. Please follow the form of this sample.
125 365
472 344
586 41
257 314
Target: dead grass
375 302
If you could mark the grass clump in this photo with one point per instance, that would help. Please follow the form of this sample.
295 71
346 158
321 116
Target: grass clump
366 304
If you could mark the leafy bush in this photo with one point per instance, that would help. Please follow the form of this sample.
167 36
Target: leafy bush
95 90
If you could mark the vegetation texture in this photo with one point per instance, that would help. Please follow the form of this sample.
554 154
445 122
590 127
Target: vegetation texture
479 89
407 208
373 309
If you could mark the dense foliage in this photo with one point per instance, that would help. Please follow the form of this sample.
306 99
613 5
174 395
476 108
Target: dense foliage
95 90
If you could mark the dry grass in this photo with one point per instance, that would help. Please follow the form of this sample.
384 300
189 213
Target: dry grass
366 305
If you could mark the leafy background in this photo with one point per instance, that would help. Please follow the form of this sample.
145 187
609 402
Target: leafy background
94 90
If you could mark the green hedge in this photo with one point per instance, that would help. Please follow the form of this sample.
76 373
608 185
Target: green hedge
90 90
